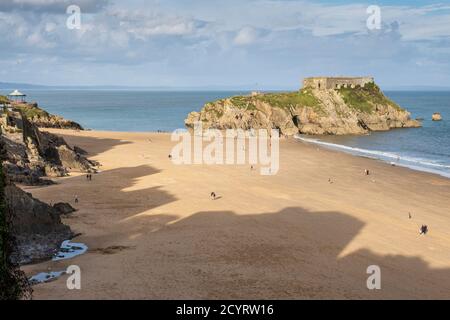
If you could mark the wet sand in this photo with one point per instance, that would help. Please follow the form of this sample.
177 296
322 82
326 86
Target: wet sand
154 233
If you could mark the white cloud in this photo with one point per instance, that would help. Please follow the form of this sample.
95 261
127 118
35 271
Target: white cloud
245 36
53 6
289 37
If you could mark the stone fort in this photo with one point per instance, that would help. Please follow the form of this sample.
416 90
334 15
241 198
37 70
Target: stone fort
323 83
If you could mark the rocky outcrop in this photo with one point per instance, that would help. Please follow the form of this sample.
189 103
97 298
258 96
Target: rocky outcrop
35 230
43 119
36 227
437 117
27 155
55 122
32 155
64 208
357 110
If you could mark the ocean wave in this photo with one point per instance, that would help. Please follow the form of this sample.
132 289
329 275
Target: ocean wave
419 164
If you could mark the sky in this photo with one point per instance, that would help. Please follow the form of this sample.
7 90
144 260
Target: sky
261 44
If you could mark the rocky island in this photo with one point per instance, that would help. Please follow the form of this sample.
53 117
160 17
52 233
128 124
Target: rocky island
437 117
324 106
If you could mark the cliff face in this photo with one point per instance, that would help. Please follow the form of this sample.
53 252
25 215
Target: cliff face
43 119
27 154
13 282
36 227
31 230
32 154
357 110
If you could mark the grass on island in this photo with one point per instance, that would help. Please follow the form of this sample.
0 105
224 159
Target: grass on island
365 99
211 107
282 100
288 100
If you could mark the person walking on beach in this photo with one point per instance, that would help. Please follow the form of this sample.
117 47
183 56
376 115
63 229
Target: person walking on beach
213 196
424 230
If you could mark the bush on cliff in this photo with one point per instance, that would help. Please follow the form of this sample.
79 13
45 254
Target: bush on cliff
4 100
366 98
31 111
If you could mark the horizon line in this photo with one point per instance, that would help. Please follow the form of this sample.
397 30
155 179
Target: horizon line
32 86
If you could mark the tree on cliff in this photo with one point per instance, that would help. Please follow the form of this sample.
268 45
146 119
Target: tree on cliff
13 282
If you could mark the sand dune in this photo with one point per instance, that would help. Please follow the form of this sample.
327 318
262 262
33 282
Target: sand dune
154 233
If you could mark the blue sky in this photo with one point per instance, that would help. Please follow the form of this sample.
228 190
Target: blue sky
197 43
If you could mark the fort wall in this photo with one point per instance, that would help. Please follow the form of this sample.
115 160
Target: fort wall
323 83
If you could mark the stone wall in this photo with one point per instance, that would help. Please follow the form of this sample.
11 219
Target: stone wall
336 83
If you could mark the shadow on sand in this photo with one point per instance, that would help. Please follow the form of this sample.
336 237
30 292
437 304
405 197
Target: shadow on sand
290 254
94 146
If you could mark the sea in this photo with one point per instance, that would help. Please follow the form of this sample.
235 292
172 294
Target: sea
425 149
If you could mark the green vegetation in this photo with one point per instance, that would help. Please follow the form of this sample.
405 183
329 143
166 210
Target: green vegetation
31 111
244 102
4 100
283 100
13 282
211 107
287 100
366 98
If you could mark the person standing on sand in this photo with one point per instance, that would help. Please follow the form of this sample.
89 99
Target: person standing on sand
424 230
213 196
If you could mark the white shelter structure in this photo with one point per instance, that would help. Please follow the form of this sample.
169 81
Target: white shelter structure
17 96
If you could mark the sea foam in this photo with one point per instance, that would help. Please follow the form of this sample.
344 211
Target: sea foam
417 164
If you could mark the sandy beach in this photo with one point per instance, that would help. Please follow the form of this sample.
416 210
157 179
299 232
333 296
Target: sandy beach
154 233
